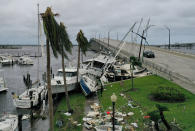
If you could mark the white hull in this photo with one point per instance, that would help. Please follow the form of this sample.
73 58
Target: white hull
57 84
8 122
24 60
24 101
60 88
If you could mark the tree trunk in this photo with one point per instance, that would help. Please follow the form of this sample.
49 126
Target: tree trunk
156 126
164 121
65 87
78 64
51 124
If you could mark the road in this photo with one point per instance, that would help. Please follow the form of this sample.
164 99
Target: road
177 62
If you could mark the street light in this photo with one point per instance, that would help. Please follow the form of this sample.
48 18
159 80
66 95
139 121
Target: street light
169 36
113 99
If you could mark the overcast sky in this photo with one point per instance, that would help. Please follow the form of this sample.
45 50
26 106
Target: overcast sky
18 18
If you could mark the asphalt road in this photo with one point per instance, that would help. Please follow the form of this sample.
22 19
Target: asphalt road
183 64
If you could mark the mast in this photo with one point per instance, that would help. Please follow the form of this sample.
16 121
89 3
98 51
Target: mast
38 41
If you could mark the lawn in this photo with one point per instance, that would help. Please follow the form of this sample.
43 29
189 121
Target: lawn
183 112
71 123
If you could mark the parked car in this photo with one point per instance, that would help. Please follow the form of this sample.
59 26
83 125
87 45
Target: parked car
149 54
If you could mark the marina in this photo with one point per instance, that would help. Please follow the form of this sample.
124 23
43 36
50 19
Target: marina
97 66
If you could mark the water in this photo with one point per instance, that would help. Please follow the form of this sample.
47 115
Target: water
14 75
184 49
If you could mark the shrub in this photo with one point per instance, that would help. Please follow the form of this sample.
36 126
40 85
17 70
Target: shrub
169 94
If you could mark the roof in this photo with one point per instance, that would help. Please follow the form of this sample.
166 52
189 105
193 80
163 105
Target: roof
68 70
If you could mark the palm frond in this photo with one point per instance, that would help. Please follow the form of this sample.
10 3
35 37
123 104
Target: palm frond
65 42
83 42
51 29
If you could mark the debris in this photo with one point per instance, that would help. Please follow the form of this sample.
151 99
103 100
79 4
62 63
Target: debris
119 119
122 94
24 117
87 125
92 114
134 124
59 123
130 114
75 122
87 119
67 114
79 124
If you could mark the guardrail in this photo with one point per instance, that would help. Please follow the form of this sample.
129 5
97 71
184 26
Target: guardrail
157 69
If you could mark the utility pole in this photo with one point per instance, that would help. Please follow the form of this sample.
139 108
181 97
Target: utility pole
108 37
140 48
169 36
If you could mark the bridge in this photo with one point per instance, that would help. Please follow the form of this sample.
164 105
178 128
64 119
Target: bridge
175 66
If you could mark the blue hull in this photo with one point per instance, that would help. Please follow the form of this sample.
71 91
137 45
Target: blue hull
84 87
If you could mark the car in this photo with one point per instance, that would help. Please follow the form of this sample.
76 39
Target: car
148 54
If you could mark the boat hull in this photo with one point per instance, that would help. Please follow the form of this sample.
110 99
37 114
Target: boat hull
85 88
60 88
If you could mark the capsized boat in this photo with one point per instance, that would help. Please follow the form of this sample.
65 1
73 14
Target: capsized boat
8 122
88 84
25 60
2 85
30 97
96 65
57 83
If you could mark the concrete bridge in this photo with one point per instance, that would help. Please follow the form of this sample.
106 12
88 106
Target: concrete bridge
176 66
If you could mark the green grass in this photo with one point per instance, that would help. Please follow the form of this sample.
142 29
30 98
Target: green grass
77 101
184 117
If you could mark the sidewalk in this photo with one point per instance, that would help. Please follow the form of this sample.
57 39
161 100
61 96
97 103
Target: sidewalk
90 101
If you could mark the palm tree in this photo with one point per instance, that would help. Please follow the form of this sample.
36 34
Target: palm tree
51 29
154 116
83 45
161 110
65 44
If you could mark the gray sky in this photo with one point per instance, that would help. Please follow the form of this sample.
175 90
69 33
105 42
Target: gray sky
18 18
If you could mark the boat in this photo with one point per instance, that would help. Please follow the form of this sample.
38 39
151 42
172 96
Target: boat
6 60
57 82
30 97
25 60
88 84
118 73
8 122
96 65
2 85
108 128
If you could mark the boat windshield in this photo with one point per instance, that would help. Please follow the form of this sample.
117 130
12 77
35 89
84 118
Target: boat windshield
97 64
68 74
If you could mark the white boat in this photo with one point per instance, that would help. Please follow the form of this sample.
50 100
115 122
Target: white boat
57 83
7 60
30 98
25 60
96 65
2 85
108 128
8 122
88 84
